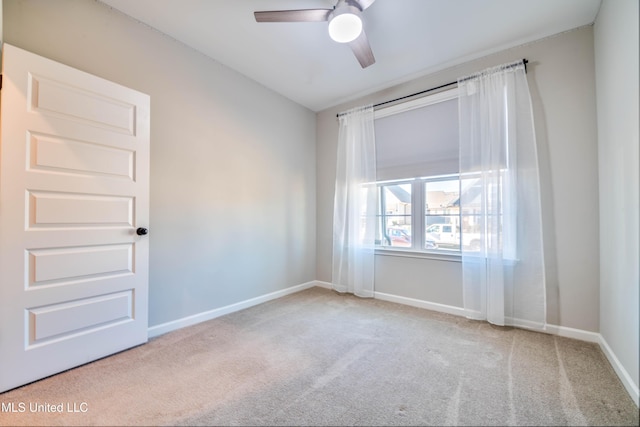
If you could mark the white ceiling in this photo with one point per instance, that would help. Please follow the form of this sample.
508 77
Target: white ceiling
409 38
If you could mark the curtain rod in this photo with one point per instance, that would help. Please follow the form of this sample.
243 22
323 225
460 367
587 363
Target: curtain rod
523 61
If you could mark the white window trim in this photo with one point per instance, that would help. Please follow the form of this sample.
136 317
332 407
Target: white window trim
416 103
425 254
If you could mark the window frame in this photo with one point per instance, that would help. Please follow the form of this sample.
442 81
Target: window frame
418 187
418 219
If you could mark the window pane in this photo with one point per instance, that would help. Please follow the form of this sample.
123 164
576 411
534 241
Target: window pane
470 216
442 214
395 215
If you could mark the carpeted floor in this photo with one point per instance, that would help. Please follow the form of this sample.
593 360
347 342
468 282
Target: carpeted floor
319 358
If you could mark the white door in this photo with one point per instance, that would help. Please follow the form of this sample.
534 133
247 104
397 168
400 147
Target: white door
74 189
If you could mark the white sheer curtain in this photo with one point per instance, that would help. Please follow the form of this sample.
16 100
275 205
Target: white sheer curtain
503 278
354 211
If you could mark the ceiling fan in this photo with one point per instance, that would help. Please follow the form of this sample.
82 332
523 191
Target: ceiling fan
345 24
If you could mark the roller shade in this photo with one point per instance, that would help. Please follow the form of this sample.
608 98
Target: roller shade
419 142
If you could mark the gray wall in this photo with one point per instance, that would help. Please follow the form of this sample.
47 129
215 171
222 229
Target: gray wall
619 172
232 163
562 83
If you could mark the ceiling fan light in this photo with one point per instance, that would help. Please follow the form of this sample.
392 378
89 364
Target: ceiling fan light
345 24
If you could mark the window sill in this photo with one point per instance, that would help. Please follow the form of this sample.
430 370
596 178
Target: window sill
407 253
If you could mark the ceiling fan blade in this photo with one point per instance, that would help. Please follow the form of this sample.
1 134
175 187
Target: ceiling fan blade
305 15
364 3
362 50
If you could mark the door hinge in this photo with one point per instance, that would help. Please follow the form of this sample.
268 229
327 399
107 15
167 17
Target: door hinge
0 81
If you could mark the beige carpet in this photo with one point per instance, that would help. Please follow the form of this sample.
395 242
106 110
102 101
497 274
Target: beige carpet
319 358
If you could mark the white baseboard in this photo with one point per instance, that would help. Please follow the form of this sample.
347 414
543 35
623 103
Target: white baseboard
623 374
408 301
322 284
163 328
627 381
433 306
562 331
578 334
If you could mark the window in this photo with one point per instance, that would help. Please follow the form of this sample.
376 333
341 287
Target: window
419 188
420 207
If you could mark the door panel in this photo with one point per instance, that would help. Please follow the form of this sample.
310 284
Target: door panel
48 209
57 265
74 186
79 157
81 104
61 320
